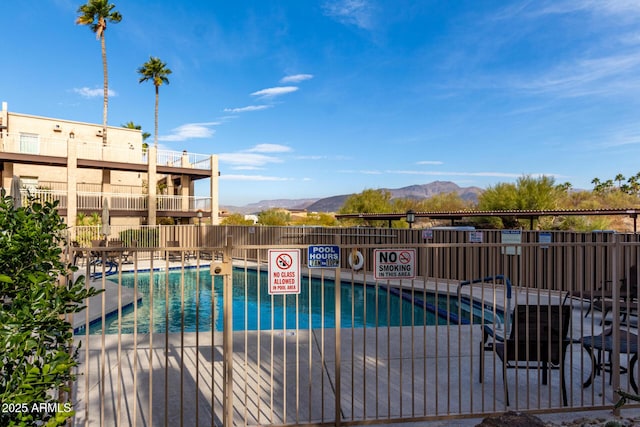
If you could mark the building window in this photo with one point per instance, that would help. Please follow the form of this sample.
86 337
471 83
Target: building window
30 143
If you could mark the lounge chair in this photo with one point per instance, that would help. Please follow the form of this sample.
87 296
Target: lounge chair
538 338
175 255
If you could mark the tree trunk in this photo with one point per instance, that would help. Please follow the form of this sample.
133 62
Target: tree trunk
155 136
106 91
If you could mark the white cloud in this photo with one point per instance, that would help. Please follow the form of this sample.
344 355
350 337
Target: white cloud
296 78
189 131
275 91
269 148
232 177
247 108
350 12
429 162
254 157
606 75
244 159
86 92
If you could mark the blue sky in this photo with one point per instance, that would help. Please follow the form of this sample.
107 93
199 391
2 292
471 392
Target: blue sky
306 99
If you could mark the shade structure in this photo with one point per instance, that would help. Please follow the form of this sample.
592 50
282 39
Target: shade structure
106 227
16 196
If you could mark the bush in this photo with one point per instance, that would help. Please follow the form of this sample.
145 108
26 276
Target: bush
37 291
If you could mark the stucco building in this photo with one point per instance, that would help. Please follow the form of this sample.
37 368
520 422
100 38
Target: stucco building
65 160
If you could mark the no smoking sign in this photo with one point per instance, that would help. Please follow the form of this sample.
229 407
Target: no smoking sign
284 271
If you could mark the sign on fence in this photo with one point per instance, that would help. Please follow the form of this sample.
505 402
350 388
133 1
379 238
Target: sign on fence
323 256
394 263
284 271
511 236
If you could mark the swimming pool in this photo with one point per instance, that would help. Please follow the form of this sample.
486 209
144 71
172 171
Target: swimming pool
201 302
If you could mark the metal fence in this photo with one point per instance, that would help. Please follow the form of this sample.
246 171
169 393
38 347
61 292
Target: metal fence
178 337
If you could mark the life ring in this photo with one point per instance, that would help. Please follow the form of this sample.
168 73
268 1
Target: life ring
356 260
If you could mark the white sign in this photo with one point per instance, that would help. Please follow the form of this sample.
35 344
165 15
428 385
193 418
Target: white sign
511 236
284 271
544 237
475 237
394 263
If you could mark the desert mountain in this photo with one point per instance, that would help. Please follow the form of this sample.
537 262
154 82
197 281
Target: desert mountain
334 203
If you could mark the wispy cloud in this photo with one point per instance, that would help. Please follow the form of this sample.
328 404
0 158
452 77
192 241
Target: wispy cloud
232 177
429 162
247 108
269 148
350 12
86 92
275 91
605 75
296 78
255 157
190 131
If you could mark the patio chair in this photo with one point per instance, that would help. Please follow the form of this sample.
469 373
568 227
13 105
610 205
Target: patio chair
175 255
77 255
601 299
538 338
115 257
628 297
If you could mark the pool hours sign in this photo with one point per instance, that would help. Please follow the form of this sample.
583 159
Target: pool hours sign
394 263
324 256
284 271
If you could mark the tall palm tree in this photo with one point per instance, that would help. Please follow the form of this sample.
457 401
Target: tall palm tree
96 14
156 71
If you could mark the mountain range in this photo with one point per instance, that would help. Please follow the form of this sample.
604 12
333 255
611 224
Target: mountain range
334 203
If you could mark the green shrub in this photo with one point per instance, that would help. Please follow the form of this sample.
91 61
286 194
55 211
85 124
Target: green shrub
37 291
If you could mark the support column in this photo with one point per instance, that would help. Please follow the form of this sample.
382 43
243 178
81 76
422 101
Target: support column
72 182
185 186
215 202
152 177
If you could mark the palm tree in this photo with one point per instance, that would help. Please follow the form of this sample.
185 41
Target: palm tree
156 71
145 135
95 14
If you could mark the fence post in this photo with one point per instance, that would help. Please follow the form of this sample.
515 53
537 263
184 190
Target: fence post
227 340
615 287
338 351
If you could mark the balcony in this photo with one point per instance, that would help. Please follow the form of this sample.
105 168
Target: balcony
121 204
35 145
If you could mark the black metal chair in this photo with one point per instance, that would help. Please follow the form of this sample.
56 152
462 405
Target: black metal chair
539 338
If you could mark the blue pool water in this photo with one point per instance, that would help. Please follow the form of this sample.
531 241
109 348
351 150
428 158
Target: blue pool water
198 305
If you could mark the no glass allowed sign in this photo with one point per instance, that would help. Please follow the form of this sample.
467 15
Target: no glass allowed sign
394 263
284 271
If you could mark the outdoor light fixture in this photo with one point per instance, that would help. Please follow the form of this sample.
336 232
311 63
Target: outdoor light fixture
199 215
411 217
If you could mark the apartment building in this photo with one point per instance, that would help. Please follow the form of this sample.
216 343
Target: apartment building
67 161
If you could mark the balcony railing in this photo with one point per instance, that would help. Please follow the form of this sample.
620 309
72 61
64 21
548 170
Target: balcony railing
57 147
93 201
34 144
112 153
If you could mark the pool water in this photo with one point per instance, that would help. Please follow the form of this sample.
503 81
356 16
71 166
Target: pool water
198 305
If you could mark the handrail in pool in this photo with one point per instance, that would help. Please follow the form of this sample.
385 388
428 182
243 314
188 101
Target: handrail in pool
507 283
